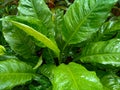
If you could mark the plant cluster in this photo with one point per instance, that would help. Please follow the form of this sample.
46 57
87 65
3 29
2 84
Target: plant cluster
61 45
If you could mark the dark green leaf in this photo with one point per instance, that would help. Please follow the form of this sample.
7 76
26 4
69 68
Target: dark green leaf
108 31
58 21
48 56
40 82
111 82
39 10
18 40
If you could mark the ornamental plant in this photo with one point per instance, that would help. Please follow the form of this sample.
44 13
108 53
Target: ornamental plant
74 47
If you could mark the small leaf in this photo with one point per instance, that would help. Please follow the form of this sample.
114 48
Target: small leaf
74 77
2 50
102 52
13 72
38 63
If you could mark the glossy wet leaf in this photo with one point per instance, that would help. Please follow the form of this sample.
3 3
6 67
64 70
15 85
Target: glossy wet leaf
83 18
18 40
107 31
39 10
34 23
110 29
37 35
102 52
74 77
13 72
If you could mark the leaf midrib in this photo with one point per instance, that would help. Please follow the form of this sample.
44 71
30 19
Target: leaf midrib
73 78
77 28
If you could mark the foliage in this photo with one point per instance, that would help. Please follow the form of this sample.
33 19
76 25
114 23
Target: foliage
60 45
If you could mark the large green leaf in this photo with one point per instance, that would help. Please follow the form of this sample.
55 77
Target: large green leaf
37 35
74 77
111 82
18 40
13 72
102 52
39 10
83 18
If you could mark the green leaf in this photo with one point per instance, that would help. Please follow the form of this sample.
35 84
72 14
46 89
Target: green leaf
35 8
48 56
46 69
18 40
38 63
37 35
102 52
111 82
108 31
39 10
74 77
0 25
13 72
58 21
2 50
83 18
32 22
2 40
